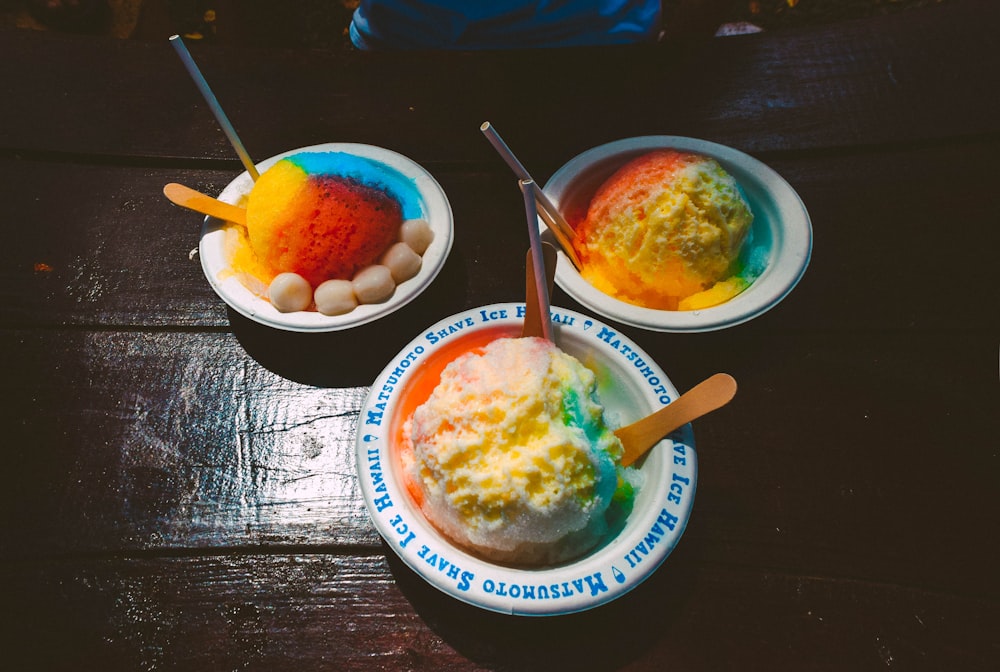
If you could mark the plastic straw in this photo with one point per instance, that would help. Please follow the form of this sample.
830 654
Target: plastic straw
504 151
537 258
559 226
213 103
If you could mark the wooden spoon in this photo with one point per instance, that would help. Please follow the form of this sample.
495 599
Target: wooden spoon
706 396
638 437
186 197
532 314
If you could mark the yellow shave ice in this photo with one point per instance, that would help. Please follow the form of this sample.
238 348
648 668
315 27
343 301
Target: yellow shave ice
666 231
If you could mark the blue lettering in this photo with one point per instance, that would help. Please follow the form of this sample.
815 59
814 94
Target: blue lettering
668 519
596 584
402 529
466 581
383 503
492 315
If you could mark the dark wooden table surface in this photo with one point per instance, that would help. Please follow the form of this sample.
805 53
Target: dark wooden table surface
178 488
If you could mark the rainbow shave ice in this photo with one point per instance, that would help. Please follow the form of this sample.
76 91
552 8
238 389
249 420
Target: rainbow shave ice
319 217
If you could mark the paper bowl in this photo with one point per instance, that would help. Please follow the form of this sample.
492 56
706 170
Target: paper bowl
630 386
781 226
436 210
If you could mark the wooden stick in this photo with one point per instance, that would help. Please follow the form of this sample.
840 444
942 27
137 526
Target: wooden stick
705 397
537 258
532 315
186 197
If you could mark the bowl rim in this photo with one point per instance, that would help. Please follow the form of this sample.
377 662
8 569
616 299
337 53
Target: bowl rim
791 237
664 499
437 212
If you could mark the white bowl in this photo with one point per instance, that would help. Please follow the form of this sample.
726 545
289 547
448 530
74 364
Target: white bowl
630 386
436 210
781 225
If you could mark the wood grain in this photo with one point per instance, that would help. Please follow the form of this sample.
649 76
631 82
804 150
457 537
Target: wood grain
794 90
178 487
125 256
316 611
173 440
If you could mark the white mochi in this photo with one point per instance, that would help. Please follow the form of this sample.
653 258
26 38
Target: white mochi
402 262
373 284
417 234
335 297
290 292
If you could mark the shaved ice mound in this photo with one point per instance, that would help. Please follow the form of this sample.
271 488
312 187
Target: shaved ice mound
511 456
325 216
350 225
667 231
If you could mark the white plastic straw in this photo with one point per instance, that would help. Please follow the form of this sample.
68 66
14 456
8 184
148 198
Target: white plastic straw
213 103
553 218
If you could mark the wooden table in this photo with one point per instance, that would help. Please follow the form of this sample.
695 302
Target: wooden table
178 485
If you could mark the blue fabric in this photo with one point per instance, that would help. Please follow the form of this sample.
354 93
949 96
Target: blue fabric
502 24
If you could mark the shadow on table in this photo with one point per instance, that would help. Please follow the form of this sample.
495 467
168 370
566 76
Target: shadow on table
351 357
603 638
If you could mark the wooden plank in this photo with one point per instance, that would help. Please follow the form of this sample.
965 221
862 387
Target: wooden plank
146 441
908 78
169 439
122 255
178 486
351 612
